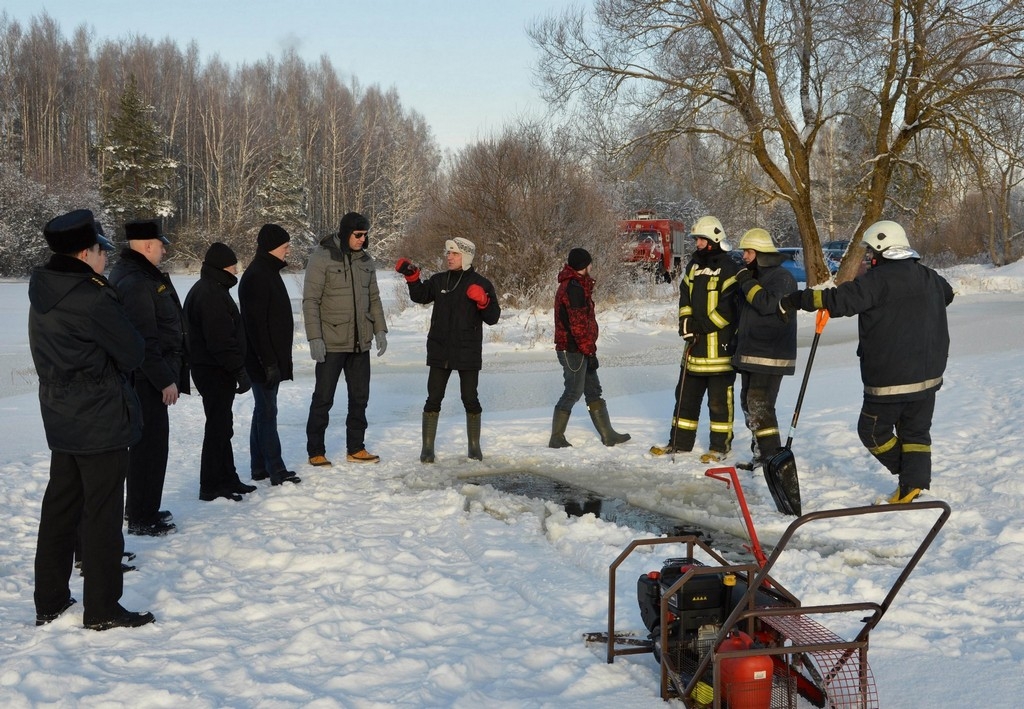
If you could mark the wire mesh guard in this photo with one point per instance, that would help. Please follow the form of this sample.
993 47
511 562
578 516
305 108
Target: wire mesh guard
846 683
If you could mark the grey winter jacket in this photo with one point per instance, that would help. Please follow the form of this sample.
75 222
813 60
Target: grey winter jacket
340 299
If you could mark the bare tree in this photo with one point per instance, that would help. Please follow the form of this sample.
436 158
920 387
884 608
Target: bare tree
768 76
524 199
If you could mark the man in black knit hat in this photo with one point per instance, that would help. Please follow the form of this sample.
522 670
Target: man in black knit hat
576 333
269 328
217 346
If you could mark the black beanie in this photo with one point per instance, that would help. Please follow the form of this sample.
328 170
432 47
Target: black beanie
271 236
353 221
219 256
70 233
579 259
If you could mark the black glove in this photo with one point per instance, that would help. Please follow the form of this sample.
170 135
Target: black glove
685 332
273 375
789 303
592 362
244 384
743 275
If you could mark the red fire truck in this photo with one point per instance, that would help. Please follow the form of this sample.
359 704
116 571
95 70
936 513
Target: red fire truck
654 244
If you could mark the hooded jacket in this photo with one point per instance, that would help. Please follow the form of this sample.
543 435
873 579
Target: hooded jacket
84 348
267 314
706 301
340 298
764 343
576 328
456 335
153 307
214 322
901 320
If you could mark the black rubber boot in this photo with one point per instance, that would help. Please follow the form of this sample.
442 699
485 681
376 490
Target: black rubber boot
473 433
558 423
429 433
599 415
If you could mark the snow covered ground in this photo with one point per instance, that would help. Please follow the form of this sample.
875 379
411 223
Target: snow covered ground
398 585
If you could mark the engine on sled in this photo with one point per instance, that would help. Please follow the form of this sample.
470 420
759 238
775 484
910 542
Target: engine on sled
696 610
730 635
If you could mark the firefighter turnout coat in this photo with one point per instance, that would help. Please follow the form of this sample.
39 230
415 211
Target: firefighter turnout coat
707 308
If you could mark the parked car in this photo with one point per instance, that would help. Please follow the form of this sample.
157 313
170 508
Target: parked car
793 261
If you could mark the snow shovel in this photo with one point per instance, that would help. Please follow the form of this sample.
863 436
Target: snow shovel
780 469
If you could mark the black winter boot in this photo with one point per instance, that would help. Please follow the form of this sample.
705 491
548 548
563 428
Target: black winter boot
429 433
473 433
599 415
558 423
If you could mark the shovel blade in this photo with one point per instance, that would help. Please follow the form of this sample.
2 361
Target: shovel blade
783 482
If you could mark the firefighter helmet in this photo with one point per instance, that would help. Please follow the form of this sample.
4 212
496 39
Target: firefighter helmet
759 240
885 235
711 229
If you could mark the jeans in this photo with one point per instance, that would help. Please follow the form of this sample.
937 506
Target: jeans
580 380
264 441
356 366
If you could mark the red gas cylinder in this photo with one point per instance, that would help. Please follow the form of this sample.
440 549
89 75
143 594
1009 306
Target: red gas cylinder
746 681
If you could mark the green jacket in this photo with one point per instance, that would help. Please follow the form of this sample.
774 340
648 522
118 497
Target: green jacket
340 299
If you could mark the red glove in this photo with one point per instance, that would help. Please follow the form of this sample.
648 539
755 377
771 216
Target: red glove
405 267
478 295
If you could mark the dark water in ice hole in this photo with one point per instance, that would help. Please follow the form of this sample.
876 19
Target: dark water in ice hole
579 501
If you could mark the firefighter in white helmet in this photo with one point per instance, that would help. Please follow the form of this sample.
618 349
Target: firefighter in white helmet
765 344
707 323
904 344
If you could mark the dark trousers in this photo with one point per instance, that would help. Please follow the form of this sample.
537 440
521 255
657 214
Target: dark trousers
437 382
356 366
758 393
84 497
579 379
689 395
264 441
899 435
147 465
217 462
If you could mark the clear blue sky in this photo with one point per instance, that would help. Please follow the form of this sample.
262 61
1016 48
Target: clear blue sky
465 65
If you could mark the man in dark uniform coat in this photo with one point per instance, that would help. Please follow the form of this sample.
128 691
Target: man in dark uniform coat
765 344
707 323
900 306
83 347
155 310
